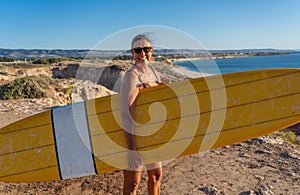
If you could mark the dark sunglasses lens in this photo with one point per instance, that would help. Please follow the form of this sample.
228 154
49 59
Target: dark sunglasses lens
137 50
147 49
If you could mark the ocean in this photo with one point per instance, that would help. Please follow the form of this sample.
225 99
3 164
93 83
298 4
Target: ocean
227 65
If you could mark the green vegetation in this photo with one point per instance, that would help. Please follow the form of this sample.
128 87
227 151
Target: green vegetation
27 87
123 57
32 63
24 65
68 90
6 59
51 60
289 137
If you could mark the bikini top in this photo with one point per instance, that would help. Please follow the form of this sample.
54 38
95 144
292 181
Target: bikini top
144 85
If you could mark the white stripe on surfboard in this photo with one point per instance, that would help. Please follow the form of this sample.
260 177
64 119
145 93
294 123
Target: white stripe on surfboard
73 141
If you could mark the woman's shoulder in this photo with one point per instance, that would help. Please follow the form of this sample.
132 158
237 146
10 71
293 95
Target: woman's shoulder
130 71
131 74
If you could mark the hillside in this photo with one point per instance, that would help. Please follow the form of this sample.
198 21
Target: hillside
86 53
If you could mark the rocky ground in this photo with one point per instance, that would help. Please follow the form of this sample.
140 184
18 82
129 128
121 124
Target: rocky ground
263 166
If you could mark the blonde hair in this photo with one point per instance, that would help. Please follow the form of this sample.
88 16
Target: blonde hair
141 37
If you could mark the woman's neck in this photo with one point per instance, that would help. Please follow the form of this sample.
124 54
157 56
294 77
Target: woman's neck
142 67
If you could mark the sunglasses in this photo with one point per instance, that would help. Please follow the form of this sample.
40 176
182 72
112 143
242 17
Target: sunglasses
138 50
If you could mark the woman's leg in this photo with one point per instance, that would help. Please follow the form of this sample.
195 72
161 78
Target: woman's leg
131 181
154 179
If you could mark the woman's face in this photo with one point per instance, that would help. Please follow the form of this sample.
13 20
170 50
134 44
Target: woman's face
141 51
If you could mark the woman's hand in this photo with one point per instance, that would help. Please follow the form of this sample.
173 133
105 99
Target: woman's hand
135 160
166 80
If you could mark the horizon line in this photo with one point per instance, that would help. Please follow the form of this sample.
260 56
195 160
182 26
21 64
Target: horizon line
69 49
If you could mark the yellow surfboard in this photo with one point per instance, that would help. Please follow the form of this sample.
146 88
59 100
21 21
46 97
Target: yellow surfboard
172 120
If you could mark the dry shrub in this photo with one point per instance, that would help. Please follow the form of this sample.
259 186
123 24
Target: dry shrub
28 87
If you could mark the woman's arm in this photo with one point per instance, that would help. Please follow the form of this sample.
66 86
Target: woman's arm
129 93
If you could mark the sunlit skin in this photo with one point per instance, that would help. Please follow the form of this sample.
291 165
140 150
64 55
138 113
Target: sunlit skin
129 91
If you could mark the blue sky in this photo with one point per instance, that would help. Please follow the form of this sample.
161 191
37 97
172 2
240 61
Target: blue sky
217 24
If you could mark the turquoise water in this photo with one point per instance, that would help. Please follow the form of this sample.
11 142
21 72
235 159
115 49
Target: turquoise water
243 63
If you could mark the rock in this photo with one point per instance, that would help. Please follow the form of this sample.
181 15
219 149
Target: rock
273 140
111 77
287 154
86 90
259 177
65 71
265 190
250 192
262 190
254 141
269 140
262 152
211 190
244 155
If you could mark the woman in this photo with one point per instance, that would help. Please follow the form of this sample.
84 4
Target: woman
140 75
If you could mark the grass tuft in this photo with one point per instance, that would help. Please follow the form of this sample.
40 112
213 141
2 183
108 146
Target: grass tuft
289 137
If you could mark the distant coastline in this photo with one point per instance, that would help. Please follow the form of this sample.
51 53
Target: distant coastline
176 54
214 56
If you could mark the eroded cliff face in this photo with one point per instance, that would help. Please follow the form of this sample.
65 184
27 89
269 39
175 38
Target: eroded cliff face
108 76
111 77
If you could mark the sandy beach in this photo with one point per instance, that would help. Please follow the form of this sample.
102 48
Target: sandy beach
265 165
